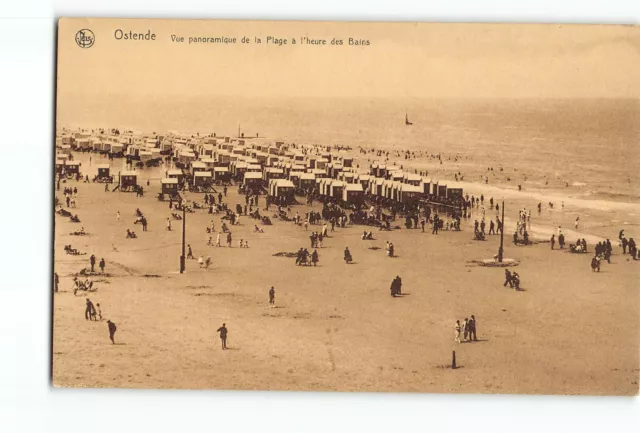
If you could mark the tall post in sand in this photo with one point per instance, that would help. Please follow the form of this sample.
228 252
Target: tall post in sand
453 361
184 225
501 250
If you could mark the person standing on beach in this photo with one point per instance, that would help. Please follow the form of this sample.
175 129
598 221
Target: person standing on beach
553 241
90 310
465 328
102 265
575 224
118 216
218 240
272 297
168 225
457 332
223 335
92 261
189 253
472 328
112 331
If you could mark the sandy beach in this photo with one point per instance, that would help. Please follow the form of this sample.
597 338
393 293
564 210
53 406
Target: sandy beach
335 327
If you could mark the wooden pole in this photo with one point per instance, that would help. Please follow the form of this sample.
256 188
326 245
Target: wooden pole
184 225
453 361
501 250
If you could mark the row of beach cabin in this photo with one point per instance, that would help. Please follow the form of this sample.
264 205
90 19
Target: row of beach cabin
259 163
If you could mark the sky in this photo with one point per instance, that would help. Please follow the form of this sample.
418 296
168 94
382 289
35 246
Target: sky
403 60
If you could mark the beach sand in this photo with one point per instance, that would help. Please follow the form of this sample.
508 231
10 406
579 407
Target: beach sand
335 327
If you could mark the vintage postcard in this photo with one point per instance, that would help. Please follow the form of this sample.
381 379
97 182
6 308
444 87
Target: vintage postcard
346 206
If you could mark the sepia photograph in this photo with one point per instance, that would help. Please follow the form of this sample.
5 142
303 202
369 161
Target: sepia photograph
346 206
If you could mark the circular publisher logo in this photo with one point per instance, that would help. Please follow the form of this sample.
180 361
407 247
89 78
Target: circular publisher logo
85 38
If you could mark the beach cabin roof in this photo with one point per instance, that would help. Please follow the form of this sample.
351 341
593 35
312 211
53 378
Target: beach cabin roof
353 187
253 175
169 181
129 173
71 163
220 169
411 188
174 173
202 174
103 166
198 164
283 183
307 176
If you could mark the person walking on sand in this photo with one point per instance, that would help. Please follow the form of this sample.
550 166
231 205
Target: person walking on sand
508 279
576 222
189 253
553 241
223 335
99 311
229 239
112 331
168 225
457 332
218 240
102 265
92 261
118 216
465 328
272 297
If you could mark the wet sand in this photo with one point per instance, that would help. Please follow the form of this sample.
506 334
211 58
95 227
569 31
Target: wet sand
335 327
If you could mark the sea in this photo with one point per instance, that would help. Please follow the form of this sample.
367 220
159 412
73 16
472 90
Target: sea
589 146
